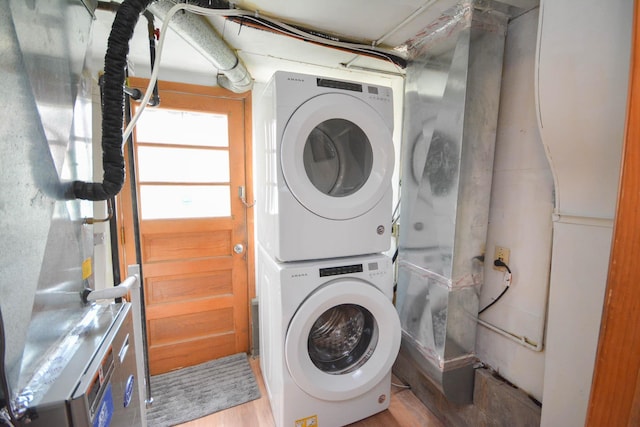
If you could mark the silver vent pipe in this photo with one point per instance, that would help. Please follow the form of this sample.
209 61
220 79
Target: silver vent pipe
451 109
199 33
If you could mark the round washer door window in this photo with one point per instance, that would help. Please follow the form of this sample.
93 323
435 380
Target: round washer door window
342 340
337 156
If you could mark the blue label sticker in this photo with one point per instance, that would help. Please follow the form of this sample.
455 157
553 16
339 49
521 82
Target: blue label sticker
103 415
128 390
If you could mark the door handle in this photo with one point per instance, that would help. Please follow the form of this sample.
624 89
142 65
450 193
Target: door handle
239 248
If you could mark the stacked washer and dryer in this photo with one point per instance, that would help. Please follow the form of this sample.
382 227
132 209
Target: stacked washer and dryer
329 332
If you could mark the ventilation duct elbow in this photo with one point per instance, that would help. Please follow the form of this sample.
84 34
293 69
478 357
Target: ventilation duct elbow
201 35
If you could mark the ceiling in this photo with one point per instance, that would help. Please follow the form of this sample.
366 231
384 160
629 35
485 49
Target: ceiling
387 24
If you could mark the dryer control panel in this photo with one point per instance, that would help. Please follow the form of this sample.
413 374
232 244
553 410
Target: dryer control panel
337 84
345 269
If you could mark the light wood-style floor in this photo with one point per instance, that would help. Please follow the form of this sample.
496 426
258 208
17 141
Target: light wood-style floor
405 410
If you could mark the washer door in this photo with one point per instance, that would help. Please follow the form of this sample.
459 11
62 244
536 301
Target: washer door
342 340
337 156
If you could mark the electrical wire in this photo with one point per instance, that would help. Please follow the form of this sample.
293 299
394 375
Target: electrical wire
395 216
281 26
290 30
499 263
404 386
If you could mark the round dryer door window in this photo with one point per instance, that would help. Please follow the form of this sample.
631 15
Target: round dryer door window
342 340
337 156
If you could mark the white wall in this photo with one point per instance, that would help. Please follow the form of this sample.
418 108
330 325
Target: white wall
519 219
554 195
583 64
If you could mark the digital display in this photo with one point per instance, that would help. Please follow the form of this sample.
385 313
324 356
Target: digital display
372 90
346 269
336 84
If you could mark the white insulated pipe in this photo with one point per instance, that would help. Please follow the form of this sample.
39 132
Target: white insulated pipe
116 291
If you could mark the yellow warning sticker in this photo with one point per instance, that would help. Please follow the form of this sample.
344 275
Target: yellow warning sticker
86 268
311 421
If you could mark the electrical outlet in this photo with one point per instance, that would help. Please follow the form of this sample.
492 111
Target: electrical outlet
502 254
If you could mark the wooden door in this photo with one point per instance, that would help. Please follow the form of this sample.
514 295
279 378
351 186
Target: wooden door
615 389
191 162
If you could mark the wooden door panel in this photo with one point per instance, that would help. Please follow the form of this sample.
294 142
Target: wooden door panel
188 225
164 358
184 287
190 326
188 267
172 246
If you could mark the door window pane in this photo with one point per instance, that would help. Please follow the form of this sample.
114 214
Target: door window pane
184 201
165 126
169 164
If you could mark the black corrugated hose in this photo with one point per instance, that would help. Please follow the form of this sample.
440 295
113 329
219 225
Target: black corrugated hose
115 62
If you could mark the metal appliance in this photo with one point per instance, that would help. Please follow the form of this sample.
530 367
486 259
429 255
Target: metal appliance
54 344
329 335
97 386
325 167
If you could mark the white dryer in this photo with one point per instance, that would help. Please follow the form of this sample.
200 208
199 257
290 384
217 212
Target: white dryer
329 335
324 163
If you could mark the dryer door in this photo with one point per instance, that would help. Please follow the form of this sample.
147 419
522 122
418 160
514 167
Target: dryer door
337 156
342 340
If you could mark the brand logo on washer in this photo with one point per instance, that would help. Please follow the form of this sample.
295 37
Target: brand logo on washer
380 229
293 79
293 276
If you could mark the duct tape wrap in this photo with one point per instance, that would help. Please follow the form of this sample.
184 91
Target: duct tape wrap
441 34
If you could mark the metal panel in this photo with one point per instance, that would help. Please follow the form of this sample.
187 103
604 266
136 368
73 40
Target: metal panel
45 248
451 110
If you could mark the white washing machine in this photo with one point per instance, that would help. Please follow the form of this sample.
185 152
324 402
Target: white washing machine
324 162
329 335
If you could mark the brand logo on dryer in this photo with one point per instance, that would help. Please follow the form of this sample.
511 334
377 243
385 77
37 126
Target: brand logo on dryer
293 276
295 79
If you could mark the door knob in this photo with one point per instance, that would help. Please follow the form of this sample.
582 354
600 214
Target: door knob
238 248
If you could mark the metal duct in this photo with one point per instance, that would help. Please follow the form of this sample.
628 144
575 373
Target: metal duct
45 246
199 33
451 110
